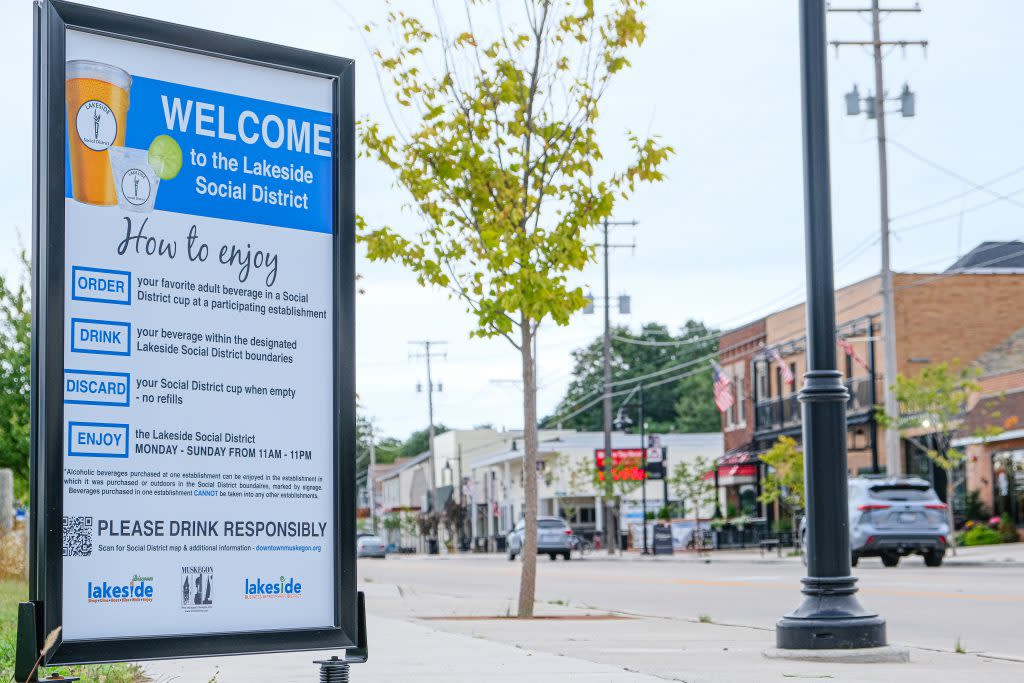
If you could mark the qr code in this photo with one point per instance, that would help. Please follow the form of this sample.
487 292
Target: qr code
77 536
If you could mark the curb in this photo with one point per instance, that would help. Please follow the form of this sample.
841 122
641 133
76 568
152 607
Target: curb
889 654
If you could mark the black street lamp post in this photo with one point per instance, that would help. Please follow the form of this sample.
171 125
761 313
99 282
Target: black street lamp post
643 467
830 617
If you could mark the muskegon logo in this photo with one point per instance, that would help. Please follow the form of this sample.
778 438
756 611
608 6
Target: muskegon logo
196 588
259 589
97 125
138 590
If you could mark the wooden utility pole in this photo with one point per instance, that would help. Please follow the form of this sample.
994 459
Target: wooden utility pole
890 365
428 355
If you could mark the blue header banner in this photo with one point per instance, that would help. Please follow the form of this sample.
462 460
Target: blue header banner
242 159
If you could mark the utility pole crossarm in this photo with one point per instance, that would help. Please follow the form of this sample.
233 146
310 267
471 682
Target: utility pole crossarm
862 43
887 10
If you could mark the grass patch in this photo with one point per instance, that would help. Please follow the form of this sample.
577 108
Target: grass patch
13 592
704 619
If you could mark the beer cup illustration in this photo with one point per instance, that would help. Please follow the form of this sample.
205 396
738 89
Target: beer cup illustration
97 106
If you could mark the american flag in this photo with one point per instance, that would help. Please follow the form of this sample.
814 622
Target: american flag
723 387
848 348
787 374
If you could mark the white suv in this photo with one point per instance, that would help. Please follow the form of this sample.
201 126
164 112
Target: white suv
554 538
892 518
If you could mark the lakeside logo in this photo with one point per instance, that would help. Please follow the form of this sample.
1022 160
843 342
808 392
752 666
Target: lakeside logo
135 186
259 589
196 588
138 589
96 125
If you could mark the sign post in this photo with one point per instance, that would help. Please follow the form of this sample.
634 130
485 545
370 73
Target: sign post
193 431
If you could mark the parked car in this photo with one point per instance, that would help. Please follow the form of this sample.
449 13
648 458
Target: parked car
892 518
371 546
554 537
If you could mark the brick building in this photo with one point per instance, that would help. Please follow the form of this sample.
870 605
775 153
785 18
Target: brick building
995 465
960 315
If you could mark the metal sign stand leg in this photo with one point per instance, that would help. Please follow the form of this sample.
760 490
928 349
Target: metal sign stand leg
30 641
27 651
335 670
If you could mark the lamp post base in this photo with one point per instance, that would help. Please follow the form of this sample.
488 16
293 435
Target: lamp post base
830 618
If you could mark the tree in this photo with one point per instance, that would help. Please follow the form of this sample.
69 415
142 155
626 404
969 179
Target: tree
364 432
934 405
691 485
419 441
784 481
455 516
695 407
501 171
685 405
15 380
388 450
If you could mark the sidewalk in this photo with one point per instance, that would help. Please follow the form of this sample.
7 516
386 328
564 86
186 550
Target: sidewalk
415 636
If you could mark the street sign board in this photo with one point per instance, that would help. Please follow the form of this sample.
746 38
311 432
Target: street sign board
628 465
193 386
662 539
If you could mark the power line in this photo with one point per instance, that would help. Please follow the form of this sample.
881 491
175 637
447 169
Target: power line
954 174
958 214
960 195
662 371
681 342
620 392
636 380
925 281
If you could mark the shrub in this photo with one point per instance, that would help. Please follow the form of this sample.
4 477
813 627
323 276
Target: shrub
1007 530
980 535
973 507
782 525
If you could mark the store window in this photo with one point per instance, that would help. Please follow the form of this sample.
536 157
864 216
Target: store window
1008 468
740 408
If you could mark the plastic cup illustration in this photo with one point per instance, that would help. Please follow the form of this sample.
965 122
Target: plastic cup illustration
97 106
133 178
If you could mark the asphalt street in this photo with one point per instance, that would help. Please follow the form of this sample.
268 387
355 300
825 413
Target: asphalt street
975 599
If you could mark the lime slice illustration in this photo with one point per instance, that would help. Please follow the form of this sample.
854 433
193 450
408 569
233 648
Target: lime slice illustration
165 157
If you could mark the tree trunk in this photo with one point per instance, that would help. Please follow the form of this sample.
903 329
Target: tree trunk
528 576
950 486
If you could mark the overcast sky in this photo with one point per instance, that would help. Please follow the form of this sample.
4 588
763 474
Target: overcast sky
721 239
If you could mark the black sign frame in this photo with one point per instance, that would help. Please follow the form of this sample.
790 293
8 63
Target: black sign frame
52 19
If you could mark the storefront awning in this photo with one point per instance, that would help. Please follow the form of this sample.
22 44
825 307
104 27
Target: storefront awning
743 464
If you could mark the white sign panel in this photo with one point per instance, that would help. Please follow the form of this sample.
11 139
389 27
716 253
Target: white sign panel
198 369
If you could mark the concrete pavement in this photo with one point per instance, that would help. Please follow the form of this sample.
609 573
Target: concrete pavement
442 619
972 599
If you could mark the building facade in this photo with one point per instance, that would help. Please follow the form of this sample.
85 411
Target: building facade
957 316
482 470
